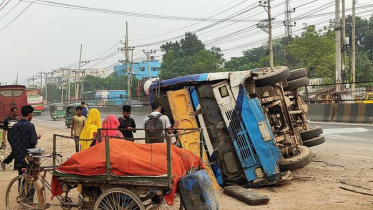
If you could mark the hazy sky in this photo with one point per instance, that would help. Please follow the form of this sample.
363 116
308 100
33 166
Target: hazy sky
49 37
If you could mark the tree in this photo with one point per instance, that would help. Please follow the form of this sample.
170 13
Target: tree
315 51
364 67
189 56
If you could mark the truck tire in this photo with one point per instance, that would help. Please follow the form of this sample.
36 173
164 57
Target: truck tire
311 133
271 77
297 83
297 73
303 158
314 141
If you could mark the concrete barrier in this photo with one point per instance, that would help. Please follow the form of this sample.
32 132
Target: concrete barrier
346 113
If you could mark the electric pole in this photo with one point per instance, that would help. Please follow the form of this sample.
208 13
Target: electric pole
46 86
17 79
80 62
148 53
353 49
41 79
337 46
343 75
288 27
127 66
267 6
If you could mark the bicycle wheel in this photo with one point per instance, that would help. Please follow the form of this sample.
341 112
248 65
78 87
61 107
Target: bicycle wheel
21 194
118 198
164 206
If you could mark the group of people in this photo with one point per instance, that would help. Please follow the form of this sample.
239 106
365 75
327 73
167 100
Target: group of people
22 135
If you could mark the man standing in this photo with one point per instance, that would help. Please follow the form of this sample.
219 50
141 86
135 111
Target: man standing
24 137
155 122
84 109
127 122
77 124
9 122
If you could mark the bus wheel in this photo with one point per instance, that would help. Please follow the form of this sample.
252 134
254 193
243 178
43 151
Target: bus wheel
302 158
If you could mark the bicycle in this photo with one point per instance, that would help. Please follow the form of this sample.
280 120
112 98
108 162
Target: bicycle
29 188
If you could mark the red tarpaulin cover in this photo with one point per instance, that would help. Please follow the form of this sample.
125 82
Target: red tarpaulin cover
129 159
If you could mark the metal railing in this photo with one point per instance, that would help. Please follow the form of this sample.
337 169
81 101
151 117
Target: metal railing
325 92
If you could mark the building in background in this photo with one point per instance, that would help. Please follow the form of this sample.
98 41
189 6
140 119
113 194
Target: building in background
105 97
65 75
139 70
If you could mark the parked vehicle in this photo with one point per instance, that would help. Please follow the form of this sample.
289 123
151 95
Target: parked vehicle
70 113
238 137
57 111
35 99
11 96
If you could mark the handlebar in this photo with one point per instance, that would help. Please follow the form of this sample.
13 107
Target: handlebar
50 155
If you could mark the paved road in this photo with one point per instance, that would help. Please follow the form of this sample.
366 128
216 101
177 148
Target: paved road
336 134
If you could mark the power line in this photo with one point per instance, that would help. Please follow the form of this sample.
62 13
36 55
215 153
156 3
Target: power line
123 13
18 15
4 4
10 10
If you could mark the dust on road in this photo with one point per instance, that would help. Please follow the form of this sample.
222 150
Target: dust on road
317 186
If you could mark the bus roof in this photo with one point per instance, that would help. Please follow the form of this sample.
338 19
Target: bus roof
12 86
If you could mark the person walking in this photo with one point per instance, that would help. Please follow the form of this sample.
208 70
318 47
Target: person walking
9 122
24 137
157 125
89 131
127 122
84 109
77 124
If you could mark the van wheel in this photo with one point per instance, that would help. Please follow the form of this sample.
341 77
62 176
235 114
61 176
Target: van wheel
310 133
271 76
302 158
297 73
314 141
297 83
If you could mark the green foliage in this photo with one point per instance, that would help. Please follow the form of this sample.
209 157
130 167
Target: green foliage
257 57
315 51
189 56
112 82
364 67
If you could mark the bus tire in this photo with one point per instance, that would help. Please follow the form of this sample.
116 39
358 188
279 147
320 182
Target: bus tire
271 77
297 83
314 141
301 159
297 73
311 133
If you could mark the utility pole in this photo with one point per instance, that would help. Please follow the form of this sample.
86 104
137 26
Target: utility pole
17 79
46 86
353 49
287 23
148 53
343 42
80 62
128 66
265 5
41 79
337 46
68 95
131 67
288 28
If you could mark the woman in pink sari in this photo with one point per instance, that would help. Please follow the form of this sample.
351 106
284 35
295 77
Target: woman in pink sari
110 122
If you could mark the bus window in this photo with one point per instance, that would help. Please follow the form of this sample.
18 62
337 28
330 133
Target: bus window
10 93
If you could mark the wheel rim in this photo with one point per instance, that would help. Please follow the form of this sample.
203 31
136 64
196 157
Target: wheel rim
20 195
119 200
163 205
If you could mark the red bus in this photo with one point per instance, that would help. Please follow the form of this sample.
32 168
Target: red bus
11 96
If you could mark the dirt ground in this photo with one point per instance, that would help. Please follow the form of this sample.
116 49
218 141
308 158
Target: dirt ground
317 186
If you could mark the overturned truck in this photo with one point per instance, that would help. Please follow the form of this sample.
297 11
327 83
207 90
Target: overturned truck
238 137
